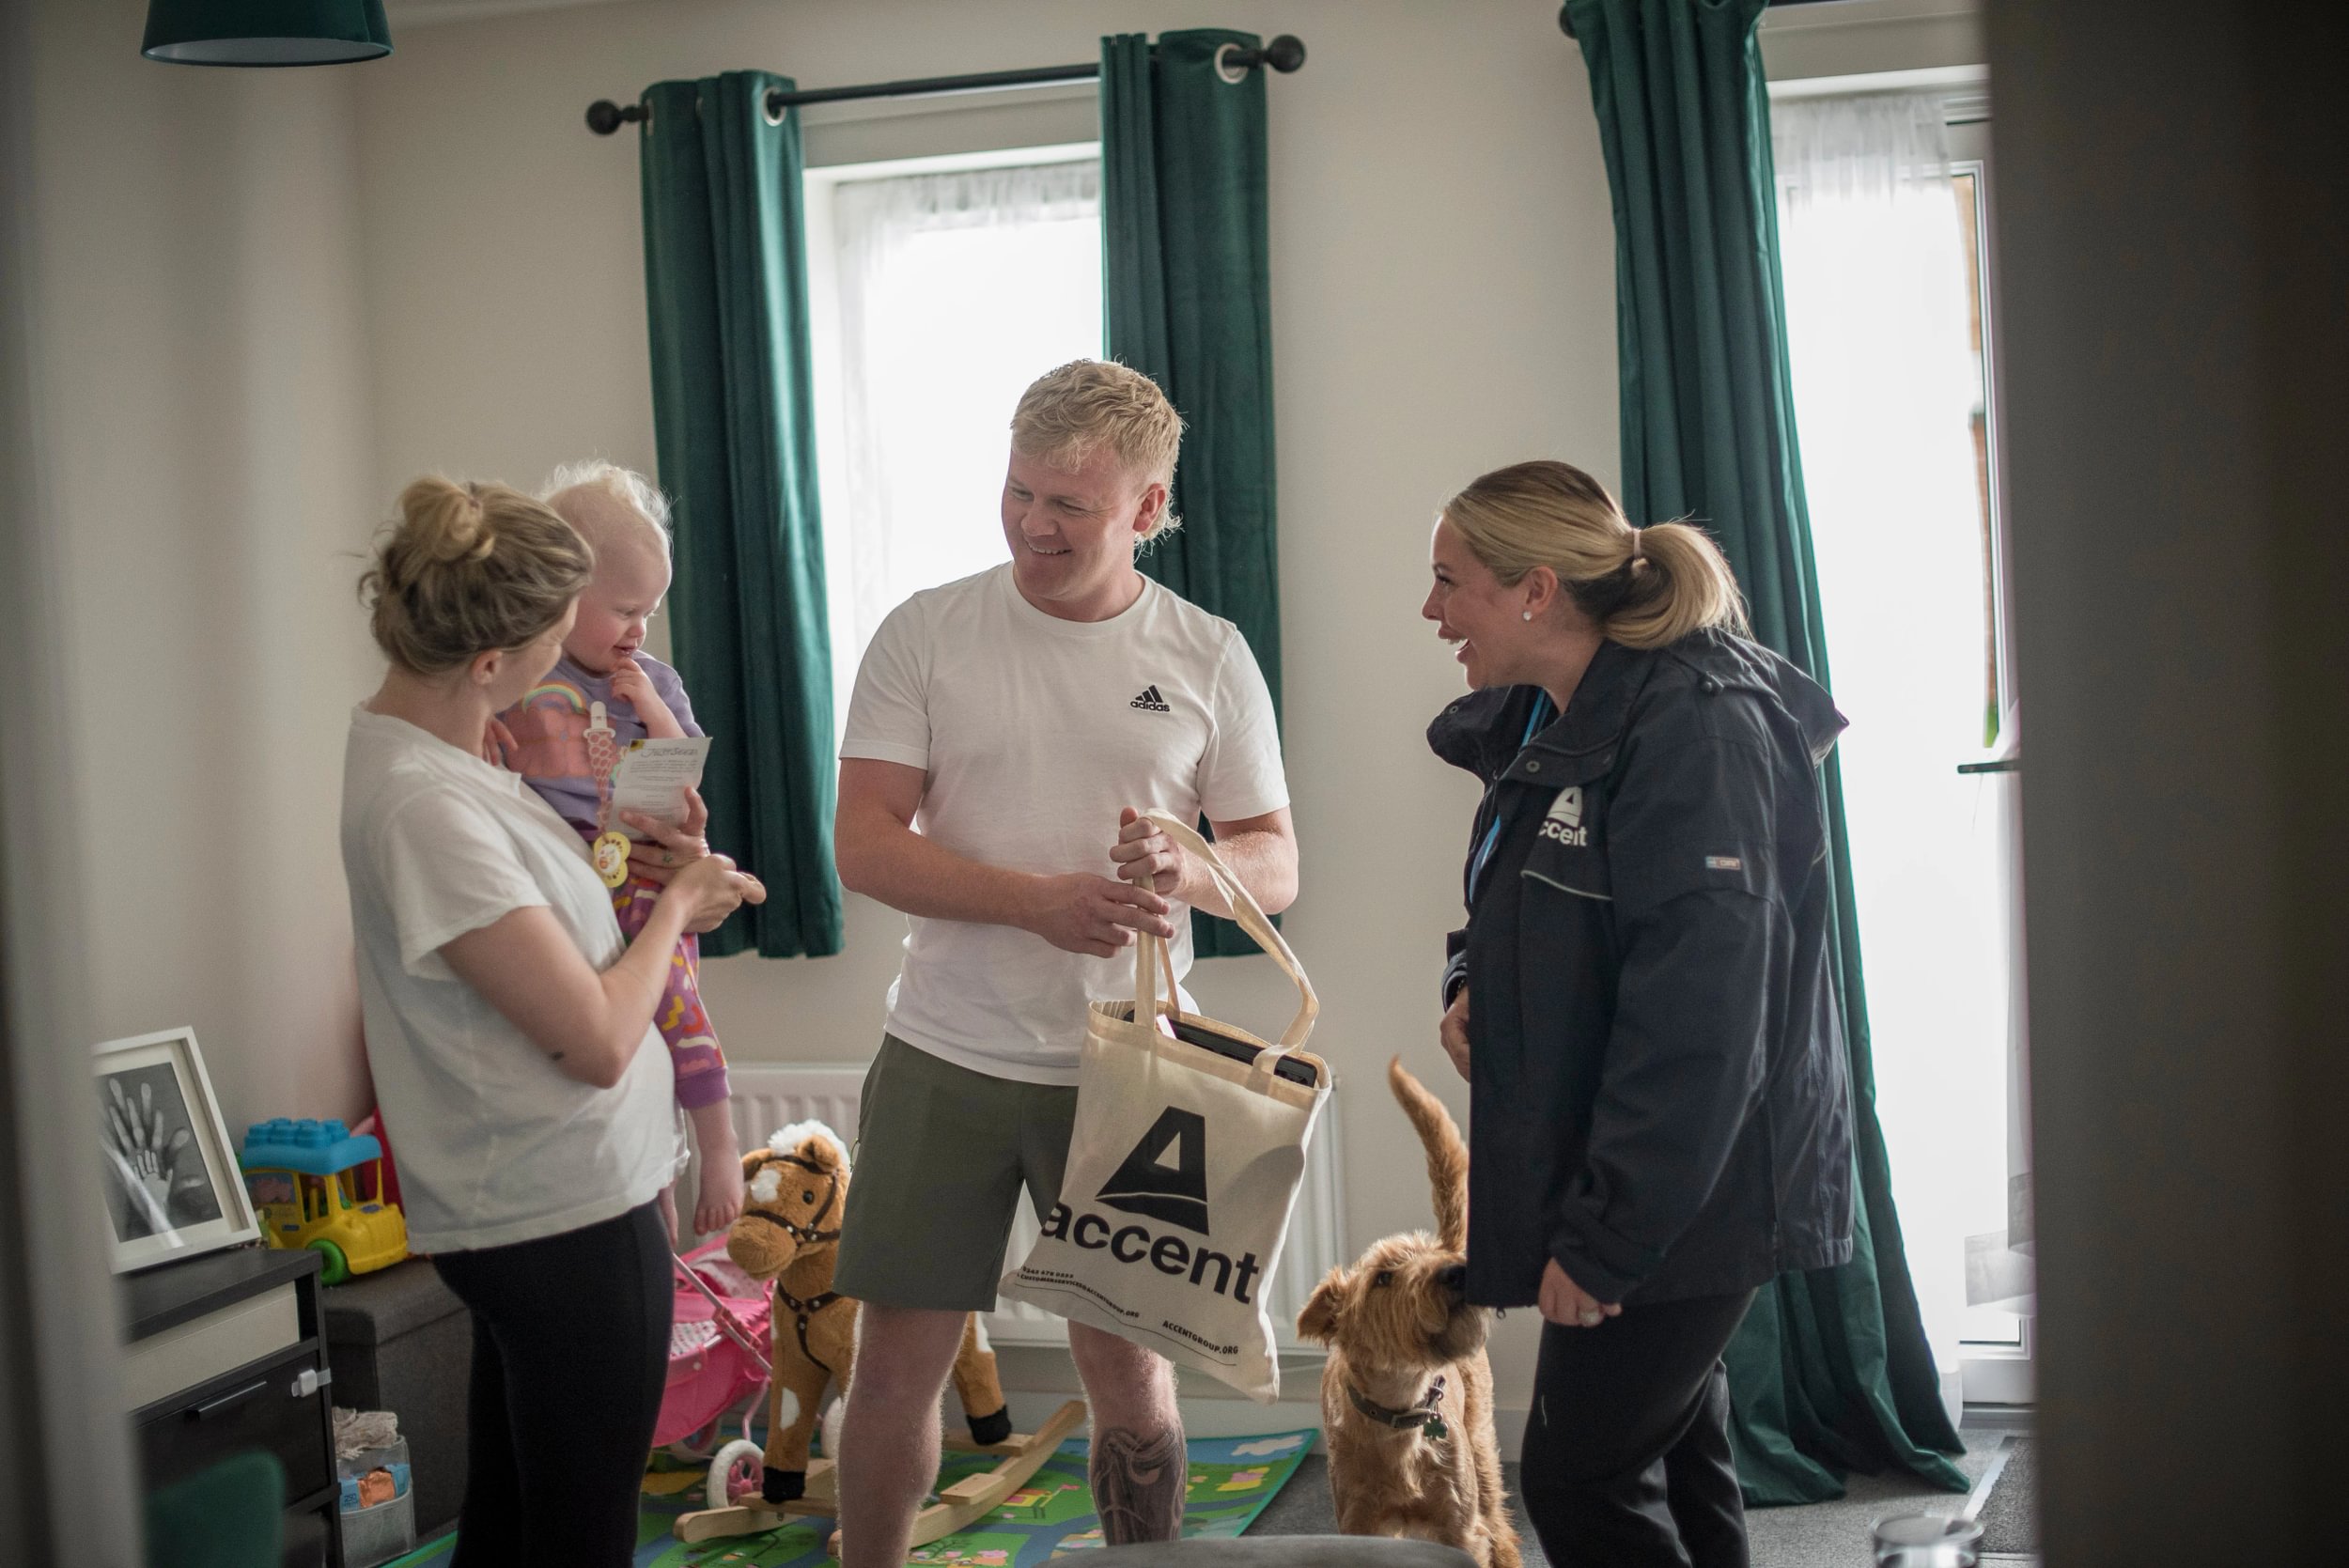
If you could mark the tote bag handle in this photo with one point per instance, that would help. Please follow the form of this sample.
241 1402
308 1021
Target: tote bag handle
1150 953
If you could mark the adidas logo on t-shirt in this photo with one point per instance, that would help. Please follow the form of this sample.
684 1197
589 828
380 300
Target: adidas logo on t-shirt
1151 700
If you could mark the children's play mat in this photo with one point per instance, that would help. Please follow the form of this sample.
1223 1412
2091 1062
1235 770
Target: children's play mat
1232 1479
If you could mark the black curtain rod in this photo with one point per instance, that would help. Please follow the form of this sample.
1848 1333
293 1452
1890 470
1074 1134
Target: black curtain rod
1285 54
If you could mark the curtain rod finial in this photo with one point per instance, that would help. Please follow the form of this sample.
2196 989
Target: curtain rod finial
1285 54
605 116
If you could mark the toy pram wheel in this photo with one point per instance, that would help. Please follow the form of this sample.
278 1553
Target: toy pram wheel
735 1472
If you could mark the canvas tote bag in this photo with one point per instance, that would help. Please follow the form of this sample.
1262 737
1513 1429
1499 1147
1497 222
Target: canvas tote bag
1188 1154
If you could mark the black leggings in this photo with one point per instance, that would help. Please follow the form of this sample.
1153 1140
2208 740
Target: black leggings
570 1349
1627 1448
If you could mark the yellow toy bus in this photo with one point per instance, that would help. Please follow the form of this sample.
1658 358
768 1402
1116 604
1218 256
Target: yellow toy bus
315 1185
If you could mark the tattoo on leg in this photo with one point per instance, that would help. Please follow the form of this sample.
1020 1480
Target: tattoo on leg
1137 1485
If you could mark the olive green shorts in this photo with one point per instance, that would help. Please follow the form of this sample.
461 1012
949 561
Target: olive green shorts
941 1153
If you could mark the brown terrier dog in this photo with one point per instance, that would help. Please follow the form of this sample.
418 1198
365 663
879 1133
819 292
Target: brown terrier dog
789 1231
1407 1394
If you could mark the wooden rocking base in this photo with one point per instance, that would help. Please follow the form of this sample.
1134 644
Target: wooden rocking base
957 1507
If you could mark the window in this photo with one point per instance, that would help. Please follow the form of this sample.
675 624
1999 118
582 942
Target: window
940 289
1881 244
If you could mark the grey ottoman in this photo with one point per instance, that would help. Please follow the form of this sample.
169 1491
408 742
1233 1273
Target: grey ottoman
1285 1551
399 1340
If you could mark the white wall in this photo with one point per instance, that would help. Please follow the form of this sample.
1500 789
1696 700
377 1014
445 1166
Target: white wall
182 644
200 392
1443 302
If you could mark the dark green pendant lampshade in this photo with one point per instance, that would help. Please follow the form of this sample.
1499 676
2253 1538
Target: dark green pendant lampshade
265 32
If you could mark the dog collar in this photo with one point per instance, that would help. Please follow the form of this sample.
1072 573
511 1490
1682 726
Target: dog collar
1426 1413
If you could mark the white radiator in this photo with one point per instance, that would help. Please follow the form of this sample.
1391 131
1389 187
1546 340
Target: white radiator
766 1097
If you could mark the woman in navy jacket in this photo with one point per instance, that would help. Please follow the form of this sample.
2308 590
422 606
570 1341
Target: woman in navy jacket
1641 1000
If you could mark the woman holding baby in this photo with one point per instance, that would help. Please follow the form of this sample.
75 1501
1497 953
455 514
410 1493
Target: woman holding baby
510 1025
1641 998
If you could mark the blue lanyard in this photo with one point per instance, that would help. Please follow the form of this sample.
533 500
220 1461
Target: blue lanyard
1534 723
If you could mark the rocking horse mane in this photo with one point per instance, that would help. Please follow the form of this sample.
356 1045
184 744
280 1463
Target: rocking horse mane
793 1139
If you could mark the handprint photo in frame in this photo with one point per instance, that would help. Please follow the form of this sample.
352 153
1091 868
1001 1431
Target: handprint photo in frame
172 1190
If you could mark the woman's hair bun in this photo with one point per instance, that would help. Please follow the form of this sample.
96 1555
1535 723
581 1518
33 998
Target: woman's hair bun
446 522
468 569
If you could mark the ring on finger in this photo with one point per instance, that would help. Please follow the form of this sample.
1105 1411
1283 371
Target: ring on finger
1592 1317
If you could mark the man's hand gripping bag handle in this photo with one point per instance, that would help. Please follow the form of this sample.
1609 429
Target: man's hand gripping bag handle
1151 954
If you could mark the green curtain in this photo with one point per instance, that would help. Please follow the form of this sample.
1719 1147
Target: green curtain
1186 271
1831 1371
727 289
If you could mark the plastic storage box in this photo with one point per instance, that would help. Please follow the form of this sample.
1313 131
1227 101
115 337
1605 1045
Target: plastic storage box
378 1505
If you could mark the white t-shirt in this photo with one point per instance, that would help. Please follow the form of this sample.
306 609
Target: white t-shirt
495 1145
1035 732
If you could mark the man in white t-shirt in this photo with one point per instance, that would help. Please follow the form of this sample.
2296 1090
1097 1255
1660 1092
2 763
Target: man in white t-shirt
1005 735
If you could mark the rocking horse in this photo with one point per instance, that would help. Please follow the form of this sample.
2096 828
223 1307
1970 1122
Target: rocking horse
789 1234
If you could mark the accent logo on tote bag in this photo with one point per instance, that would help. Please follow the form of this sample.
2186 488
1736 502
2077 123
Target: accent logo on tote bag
1174 1191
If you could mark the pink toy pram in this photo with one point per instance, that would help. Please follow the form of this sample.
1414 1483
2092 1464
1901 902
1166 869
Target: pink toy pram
718 1365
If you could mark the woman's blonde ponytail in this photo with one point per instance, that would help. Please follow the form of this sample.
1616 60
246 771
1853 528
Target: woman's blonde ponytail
469 569
1642 587
1675 584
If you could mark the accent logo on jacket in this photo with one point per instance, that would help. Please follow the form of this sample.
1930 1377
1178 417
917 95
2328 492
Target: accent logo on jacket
1164 1178
1565 821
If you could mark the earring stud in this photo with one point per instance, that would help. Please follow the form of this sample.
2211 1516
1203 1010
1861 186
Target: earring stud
1529 614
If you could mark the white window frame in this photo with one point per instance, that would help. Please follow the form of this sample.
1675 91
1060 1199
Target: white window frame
1995 1372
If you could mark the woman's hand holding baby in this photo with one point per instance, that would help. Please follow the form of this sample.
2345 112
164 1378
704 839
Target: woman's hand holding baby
658 859
712 889
498 745
679 858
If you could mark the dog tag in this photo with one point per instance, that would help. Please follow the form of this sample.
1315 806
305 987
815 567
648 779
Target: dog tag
1437 1431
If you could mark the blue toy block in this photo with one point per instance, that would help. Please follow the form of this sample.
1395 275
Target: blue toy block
313 1147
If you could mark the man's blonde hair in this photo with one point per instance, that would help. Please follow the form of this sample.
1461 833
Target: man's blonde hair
1068 414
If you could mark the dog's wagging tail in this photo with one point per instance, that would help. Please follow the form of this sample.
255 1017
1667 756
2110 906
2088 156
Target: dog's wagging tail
1447 1155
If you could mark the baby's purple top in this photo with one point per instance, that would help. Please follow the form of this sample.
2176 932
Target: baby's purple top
551 727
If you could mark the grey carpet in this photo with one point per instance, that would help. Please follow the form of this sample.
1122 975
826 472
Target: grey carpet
1302 1508
1821 1535
2010 1515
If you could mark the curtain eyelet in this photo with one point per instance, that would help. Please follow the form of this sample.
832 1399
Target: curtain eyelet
1235 74
773 110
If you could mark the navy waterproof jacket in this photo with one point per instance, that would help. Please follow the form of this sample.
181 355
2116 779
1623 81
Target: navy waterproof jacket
1659 1099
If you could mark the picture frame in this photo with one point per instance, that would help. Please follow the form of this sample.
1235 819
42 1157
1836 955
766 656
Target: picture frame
173 1186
